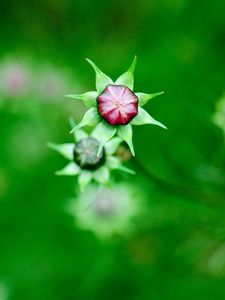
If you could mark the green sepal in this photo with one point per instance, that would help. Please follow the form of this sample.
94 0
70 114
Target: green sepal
65 150
112 145
89 98
84 178
79 134
114 163
144 98
126 170
102 80
127 78
125 133
143 117
102 175
70 170
91 118
104 133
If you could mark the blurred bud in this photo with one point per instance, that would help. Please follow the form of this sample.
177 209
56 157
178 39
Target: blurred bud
15 78
86 161
107 211
85 154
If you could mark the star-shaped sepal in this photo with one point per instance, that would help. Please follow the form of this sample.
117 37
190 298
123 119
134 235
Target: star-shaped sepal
84 161
114 107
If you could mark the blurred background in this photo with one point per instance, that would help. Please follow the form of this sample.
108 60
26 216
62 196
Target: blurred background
157 235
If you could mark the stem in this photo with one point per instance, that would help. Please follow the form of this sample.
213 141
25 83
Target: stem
180 190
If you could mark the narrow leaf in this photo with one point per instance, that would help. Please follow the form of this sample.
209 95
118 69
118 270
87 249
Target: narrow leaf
65 150
89 98
127 78
102 80
144 117
144 98
125 133
102 175
70 170
91 118
84 178
104 133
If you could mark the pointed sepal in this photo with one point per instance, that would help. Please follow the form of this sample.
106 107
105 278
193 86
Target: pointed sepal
71 169
144 117
126 170
112 145
65 150
84 179
127 78
115 164
144 98
104 133
89 98
125 133
101 175
102 80
91 118
79 134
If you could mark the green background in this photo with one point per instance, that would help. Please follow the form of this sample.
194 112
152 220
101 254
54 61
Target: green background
178 248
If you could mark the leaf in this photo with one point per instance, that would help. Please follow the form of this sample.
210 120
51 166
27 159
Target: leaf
90 118
102 80
89 98
114 163
70 170
84 178
112 145
127 78
102 175
143 117
103 133
144 98
125 133
65 150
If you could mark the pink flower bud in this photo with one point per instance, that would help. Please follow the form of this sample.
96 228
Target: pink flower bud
117 104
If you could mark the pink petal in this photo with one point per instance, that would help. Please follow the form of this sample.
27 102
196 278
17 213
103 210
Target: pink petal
117 104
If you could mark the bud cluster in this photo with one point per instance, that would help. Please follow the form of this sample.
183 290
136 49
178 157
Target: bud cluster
113 108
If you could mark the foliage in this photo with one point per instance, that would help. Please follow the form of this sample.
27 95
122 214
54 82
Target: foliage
177 248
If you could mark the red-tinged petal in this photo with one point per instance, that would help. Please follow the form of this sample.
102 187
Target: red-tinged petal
117 104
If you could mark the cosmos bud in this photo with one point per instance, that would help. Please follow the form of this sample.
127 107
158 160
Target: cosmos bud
114 107
85 154
118 105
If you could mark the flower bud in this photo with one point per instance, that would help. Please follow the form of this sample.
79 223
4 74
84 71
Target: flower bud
117 104
85 154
